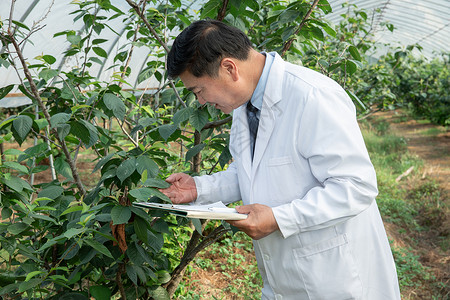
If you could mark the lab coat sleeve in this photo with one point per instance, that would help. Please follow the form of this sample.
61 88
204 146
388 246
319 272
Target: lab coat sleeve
221 186
330 139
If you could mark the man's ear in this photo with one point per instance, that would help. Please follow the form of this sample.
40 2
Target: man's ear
230 67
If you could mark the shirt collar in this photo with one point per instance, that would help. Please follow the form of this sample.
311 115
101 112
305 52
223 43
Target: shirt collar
258 93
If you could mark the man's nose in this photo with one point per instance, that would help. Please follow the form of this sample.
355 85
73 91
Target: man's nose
201 100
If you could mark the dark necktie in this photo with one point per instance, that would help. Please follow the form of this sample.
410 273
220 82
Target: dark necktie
253 122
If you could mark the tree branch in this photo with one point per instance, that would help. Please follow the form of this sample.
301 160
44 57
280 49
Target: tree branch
144 19
217 123
223 10
288 43
191 251
160 41
37 97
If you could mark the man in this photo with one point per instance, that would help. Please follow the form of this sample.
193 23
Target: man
304 175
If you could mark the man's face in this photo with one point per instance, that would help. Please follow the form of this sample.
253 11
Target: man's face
218 91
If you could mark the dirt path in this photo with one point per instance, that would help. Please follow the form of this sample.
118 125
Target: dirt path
430 142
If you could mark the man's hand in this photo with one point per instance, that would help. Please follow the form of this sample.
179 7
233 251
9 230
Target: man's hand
182 189
259 223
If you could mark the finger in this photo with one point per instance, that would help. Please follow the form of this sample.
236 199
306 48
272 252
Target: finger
174 177
245 209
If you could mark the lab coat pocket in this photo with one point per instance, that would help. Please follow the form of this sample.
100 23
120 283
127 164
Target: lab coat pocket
329 270
283 180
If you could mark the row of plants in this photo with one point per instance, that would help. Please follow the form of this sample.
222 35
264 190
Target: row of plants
80 237
415 205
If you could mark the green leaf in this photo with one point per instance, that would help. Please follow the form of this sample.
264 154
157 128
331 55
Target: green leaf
141 213
42 217
354 53
52 192
63 130
141 227
32 274
27 285
99 247
103 161
62 167
328 29
120 214
143 194
6 213
22 126
100 52
49 59
48 74
334 66
126 168
160 226
167 130
198 119
316 33
100 292
182 115
13 152
194 151
73 232
16 166
74 39
17 228
115 104
16 184
325 6
355 98
236 21
160 293
350 67
288 15
156 183
59 118
41 123
131 274
210 9
20 24
98 41
184 19
85 131
72 209
146 73
225 157
77 107
4 91
287 33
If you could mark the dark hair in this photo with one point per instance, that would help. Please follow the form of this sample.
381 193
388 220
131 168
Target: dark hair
201 46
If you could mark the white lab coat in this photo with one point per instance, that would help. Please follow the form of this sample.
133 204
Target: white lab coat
312 167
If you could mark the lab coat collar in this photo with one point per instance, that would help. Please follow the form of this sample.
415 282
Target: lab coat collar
272 95
269 113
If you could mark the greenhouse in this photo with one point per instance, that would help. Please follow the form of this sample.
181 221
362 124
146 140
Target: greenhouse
91 124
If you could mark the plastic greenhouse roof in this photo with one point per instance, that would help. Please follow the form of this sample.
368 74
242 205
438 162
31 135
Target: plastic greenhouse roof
416 21
426 23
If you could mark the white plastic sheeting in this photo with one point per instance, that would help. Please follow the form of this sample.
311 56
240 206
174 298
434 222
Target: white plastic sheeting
426 23
54 16
415 21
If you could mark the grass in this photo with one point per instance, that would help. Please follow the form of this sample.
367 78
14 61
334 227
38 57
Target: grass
413 206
